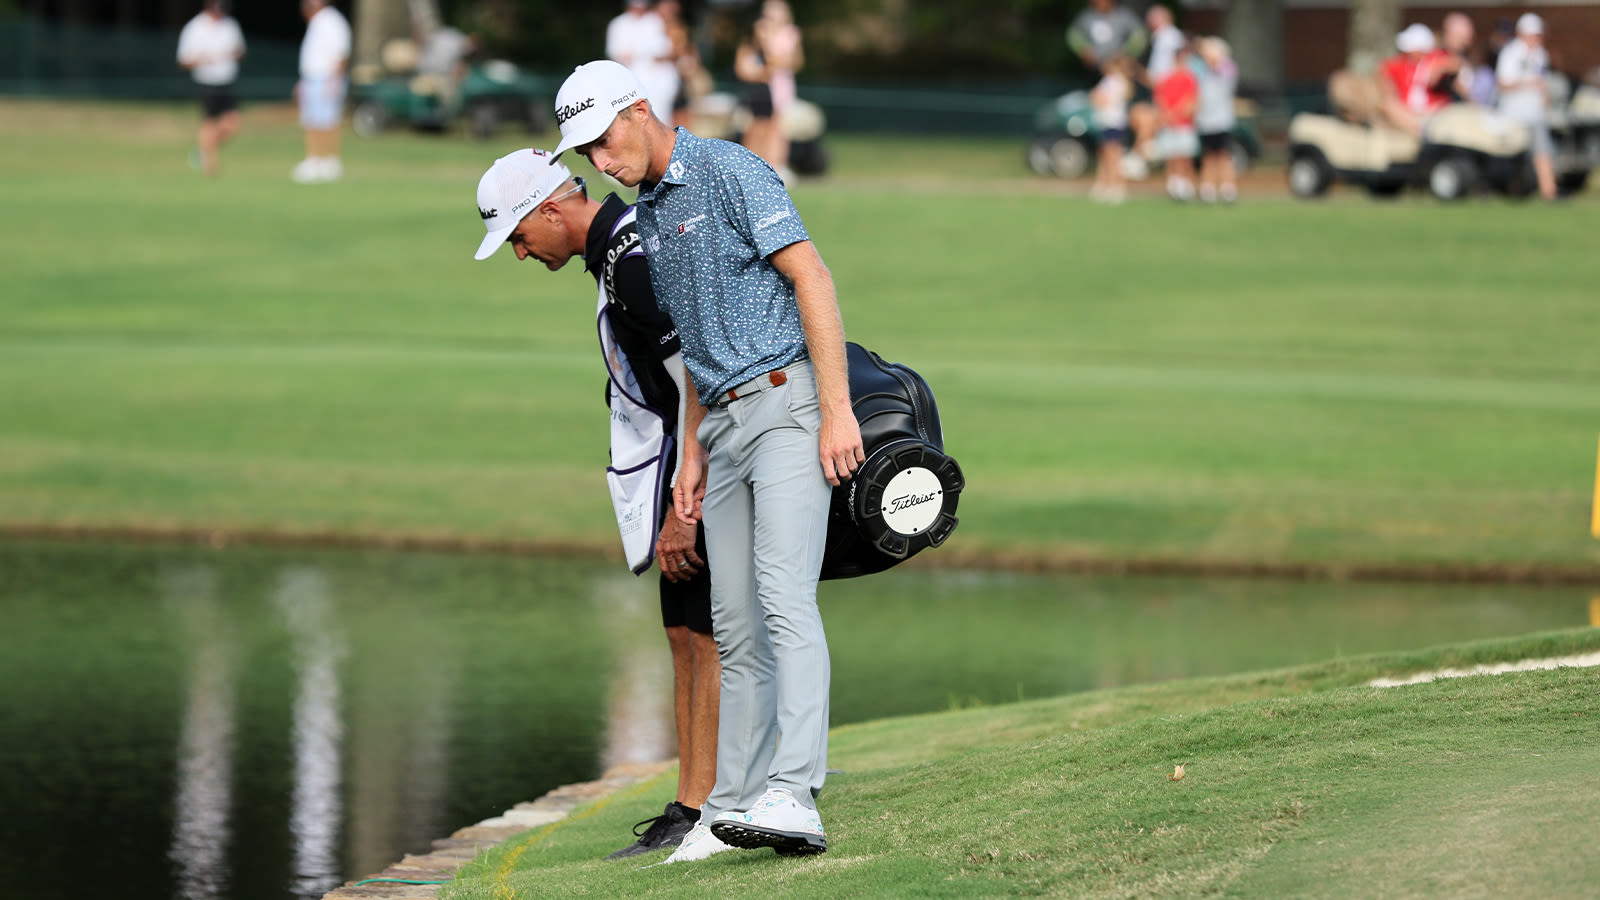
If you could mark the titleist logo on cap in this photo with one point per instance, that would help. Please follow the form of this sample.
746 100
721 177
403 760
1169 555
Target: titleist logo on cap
572 109
488 213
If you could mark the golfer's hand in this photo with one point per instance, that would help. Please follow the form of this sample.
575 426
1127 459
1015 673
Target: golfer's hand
690 490
841 448
675 550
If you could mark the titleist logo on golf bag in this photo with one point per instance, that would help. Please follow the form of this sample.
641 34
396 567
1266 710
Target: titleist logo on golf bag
488 213
572 109
910 500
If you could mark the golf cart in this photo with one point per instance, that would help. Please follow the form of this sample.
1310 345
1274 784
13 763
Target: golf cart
1575 128
1464 148
483 96
1066 140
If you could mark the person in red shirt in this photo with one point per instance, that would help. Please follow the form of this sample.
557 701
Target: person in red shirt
1176 96
1418 81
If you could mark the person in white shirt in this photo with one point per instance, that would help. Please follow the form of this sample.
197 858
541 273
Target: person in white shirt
639 40
210 47
1109 99
324 53
1524 97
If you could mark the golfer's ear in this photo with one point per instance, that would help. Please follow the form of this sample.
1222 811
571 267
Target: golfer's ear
640 110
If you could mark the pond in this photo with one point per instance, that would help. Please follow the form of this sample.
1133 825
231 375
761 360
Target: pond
195 724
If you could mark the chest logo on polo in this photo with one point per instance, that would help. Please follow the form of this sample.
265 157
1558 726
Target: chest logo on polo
687 226
572 109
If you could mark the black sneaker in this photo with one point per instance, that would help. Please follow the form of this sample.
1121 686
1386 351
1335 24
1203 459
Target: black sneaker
665 830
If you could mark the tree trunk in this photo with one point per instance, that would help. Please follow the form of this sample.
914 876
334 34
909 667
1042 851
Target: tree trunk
375 23
1373 25
1254 28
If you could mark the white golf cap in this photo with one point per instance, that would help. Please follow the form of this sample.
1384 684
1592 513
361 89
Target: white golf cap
513 187
1529 23
1415 39
590 99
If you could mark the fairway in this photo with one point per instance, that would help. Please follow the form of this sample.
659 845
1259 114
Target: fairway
1280 381
1302 782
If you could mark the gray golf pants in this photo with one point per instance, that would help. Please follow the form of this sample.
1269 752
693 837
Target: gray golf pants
766 519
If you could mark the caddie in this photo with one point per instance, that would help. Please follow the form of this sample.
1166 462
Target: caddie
763 342
529 200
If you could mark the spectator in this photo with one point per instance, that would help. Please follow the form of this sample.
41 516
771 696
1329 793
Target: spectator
1214 119
210 47
1176 98
1109 100
442 61
1165 39
1410 83
638 39
1104 30
1456 38
751 67
693 80
785 56
324 53
1524 96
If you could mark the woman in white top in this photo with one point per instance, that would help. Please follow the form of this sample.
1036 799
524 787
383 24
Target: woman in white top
210 47
1109 100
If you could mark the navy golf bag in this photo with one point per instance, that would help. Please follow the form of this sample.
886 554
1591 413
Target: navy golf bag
903 498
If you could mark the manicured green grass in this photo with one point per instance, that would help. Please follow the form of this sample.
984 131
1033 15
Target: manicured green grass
1300 782
1278 381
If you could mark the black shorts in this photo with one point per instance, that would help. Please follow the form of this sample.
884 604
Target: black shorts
1214 142
758 98
217 101
688 603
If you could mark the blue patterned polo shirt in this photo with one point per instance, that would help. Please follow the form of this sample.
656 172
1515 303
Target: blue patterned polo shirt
708 227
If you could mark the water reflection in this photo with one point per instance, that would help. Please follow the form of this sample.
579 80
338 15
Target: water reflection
302 596
294 719
639 724
201 831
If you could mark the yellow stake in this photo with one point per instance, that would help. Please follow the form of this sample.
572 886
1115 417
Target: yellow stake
1594 612
1594 515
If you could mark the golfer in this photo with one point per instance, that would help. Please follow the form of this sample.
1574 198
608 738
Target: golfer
764 345
532 202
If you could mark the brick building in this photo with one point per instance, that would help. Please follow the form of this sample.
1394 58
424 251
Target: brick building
1316 32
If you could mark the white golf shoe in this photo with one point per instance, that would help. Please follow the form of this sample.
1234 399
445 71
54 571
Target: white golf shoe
777 820
698 844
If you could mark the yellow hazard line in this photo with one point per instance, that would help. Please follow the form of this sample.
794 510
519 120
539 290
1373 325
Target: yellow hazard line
501 890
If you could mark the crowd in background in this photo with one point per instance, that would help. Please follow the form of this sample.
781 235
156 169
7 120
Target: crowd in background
1175 107
1509 73
653 41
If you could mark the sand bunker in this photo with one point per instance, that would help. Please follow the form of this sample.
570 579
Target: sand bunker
1581 661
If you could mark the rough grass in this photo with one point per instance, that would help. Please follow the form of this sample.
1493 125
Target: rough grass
1300 782
1278 381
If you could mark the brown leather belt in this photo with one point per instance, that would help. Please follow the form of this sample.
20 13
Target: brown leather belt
755 386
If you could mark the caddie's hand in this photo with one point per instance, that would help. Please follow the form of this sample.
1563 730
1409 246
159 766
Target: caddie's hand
842 450
690 490
675 552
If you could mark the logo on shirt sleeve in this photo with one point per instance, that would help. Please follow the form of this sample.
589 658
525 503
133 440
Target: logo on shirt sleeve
769 221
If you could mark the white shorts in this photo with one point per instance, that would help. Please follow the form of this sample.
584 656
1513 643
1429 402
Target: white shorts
321 102
1177 143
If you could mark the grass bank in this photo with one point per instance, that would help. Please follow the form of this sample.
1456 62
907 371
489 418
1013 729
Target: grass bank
1279 382
1301 782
